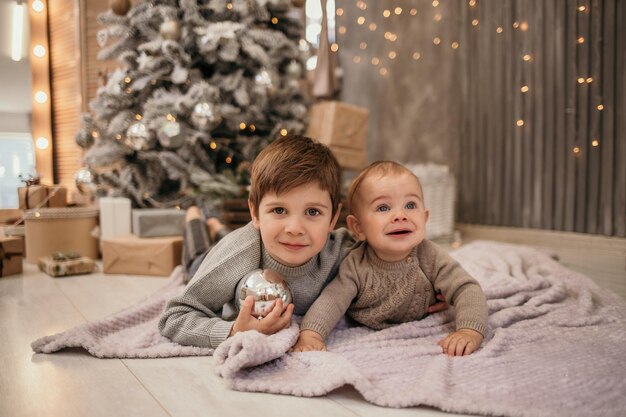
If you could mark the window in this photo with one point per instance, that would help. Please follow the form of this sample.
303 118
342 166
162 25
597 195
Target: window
17 157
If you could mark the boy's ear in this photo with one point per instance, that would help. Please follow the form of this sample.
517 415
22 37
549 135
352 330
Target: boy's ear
254 215
333 223
355 227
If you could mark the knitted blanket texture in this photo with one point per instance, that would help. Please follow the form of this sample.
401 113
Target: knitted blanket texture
556 346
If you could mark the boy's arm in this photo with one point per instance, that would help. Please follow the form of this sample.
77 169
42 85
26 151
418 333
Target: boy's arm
192 318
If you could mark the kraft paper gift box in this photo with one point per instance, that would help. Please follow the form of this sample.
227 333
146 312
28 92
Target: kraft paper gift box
158 222
114 216
65 229
11 250
141 256
62 264
36 196
343 127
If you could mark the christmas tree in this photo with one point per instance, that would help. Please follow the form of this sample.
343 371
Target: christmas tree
203 86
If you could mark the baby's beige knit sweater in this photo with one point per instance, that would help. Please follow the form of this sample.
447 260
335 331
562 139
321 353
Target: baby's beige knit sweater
381 294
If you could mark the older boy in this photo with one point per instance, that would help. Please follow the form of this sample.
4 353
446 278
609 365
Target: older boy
294 202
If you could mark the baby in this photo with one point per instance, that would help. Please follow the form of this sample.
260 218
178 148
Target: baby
394 274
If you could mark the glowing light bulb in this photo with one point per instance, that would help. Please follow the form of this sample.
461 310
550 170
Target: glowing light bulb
499 29
520 123
475 22
283 132
524 89
42 143
38 6
39 51
595 143
41 97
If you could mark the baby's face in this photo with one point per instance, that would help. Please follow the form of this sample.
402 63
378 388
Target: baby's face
391 215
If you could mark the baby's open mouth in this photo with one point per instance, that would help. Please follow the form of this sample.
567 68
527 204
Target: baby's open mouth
400 232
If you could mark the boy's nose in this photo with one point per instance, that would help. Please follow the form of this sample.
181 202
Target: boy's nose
294 226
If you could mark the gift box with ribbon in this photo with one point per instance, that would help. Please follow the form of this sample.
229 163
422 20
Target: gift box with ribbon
36 195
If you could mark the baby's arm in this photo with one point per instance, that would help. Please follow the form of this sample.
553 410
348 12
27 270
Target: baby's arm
461 343
309 340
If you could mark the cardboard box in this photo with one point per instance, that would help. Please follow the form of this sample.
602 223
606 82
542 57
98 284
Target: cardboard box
343 127
38 196
158 222
11 250
61 264
141 256
60 230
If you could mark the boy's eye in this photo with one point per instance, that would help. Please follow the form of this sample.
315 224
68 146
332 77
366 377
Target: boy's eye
382 208
278 210
411 205
313 212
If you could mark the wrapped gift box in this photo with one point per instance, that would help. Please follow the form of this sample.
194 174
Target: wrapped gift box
343 127
114 216
11 250
36 196
141 256
60 230
61 264
158 222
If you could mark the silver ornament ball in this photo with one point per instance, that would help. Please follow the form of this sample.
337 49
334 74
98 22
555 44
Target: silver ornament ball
170 29
138 137
84 181
171 135
205 116
294 69
266 286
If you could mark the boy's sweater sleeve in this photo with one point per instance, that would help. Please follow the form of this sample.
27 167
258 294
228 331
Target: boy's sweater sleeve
192 318
334 300
460 289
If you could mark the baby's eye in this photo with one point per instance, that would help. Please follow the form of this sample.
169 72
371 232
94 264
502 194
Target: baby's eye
313 212
382 208
411 205
278 210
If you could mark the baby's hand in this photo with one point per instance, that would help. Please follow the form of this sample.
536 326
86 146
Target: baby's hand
278 319
309 340
461 343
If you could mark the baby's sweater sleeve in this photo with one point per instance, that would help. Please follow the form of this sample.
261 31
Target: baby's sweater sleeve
460 289
334 300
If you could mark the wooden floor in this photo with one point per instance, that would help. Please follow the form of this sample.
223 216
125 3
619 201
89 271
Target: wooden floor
72 383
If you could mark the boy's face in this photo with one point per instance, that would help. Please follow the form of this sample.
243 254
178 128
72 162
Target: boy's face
294 226
390 215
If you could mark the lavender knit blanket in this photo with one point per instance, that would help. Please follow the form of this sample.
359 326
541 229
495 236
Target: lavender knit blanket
556 346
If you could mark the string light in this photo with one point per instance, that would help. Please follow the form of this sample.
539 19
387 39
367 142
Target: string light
42 143
38 6
213 145
519 123
416 55
413 12
334 47
275 20
372 26
342 30
499 29
436 41
472 3
581 8
283 132
527 57
95 134
595 143
515 25
576 150
435 3
383 71
356 59
455 45
392 55
475 22
581 80
398 11
170 117
229 6
252 128
363 45
523 26
360 20
589 80
138 117
39 51
375 61
339 11
600 107
242 126
361 5
437 17
580 40
118 136
41 97
229 159
128 90
386 13
524 89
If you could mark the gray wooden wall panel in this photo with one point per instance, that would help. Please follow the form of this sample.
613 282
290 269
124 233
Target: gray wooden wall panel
460 107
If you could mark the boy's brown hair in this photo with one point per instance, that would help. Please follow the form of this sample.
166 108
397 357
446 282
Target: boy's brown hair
382 168
290 162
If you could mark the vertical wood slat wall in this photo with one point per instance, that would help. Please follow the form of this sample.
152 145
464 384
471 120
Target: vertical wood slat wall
75 77
548 173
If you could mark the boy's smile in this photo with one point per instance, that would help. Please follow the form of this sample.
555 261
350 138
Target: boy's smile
295 225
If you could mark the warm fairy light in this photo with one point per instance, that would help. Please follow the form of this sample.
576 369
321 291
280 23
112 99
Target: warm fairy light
375 61
386 13
455 45
127 80
416 55
283 132
41 97
339 12
527 57
600 107
589 80
372 26
475 22
392 55
472 3
499 29
342 30
95 134
356 59
383 71
361 5
398 10
42 143
128 90
413 12
437 17
360 20
515 25
39 51
580 40
252 128
229 6
362 45
581 80
435 3
576 150
213 145
393 37
581 8
436 41
595 143
334 47
138 116
275 20
118 136
38 6
523 26
242 125
520 123
524 89
229 159
170 117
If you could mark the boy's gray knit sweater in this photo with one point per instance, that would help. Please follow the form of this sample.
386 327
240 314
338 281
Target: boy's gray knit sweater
194 318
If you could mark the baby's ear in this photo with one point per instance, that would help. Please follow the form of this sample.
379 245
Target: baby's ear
355 227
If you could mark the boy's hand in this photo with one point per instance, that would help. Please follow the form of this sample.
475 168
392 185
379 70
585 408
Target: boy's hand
278 319
461 343
440 305
308 341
